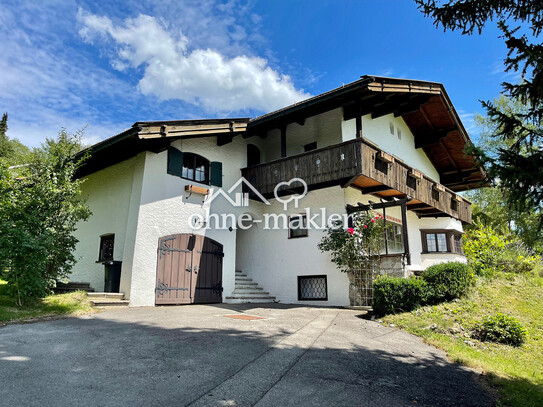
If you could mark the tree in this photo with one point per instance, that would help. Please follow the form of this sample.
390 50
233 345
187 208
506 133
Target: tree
12 152
518 162
491 206
40 206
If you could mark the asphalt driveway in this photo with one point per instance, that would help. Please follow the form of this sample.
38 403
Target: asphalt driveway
195 355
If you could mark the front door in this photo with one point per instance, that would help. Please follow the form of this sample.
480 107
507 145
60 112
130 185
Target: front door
189 270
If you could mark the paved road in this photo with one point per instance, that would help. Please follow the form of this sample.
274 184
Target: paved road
194 355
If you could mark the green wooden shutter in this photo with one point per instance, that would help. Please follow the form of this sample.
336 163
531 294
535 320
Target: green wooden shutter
175 162
216 174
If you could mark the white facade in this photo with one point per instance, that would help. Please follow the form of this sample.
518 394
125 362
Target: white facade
139 202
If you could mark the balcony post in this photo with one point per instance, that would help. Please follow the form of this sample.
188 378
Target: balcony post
283 141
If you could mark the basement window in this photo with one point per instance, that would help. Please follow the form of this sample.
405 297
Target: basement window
107 243
312 288
297 226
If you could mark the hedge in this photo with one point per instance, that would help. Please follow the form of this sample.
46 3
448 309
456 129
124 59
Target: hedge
392 294
438 283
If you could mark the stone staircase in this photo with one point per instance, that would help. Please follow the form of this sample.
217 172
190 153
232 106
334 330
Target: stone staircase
103 300
247 291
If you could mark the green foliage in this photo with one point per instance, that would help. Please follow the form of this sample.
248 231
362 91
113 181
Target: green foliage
12 152
40 205
439 283
396 294
502 329
489 252
75 303
351 247
516 164
447 281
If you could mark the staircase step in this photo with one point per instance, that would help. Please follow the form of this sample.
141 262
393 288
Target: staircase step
237 292
251 296
236 300
248 288
246 284
118 296
106 302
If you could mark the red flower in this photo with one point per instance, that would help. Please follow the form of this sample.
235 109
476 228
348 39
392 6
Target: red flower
373 220
351 231
365 226
376 216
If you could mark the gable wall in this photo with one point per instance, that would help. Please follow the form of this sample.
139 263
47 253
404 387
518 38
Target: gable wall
378 132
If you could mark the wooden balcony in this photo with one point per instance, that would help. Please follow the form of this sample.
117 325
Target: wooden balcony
362 165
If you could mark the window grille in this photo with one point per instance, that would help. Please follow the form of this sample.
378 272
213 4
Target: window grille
107 243
312 288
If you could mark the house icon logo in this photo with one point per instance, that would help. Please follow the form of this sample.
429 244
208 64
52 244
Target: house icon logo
241 199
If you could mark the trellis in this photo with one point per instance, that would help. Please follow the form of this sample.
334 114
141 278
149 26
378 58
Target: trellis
361 278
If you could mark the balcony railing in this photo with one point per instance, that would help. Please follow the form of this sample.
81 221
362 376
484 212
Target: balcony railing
359 163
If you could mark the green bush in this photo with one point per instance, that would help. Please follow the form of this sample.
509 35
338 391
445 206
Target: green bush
447 281
489 252
502 329
392 294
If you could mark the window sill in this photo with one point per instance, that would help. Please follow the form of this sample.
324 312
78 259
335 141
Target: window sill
459 254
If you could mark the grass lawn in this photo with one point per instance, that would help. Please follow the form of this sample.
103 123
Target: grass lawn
61 304
517 372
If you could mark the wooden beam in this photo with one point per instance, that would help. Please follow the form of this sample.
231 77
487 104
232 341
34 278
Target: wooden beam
283 141
358 119
432 138
222 140
378 188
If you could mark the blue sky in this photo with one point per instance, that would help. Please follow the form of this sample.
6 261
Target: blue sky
82 63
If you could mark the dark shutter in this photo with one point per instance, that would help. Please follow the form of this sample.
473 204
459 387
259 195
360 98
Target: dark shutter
216 174
175 162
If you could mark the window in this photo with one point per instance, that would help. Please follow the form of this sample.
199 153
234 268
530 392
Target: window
195 168
312 288
106 247
435 194
442 241
310 146
297 226
394 238
458 245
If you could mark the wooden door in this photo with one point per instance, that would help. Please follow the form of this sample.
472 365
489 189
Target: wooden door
189 270
208 257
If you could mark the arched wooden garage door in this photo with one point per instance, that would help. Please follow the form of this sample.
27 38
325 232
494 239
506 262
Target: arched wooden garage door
189 270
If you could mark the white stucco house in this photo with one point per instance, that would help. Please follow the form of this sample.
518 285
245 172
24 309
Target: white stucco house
153 191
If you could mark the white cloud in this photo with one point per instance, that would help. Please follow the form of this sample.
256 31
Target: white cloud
203 77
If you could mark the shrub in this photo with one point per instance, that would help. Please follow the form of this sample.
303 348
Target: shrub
489 252
447 281
502 329
392 294
483 247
